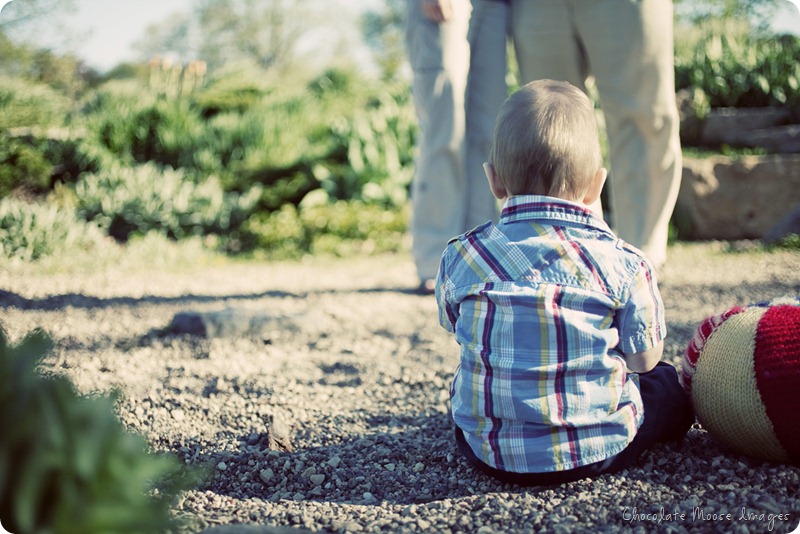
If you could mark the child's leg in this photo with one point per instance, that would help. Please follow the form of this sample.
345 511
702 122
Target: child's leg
668 415
668 412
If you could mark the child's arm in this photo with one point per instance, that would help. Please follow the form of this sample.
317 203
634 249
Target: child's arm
642 362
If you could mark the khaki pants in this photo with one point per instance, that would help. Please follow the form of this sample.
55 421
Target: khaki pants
439 57
486 91
627 45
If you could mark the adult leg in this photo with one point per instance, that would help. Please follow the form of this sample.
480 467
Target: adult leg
439 57
486 92
545 43
629 46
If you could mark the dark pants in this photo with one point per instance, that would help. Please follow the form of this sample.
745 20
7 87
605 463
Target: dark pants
668 415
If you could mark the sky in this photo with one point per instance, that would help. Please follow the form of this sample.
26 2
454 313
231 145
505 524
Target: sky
107 29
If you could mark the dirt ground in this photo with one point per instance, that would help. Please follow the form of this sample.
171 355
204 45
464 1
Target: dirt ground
353 372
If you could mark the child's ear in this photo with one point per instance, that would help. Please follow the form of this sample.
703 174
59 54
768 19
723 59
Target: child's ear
595 186
497 187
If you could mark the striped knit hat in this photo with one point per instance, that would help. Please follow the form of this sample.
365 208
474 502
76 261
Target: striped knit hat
742 370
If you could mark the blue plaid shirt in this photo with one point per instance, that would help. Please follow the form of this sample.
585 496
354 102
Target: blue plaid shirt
543 305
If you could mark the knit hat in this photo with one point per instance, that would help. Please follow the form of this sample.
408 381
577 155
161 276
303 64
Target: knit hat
742 371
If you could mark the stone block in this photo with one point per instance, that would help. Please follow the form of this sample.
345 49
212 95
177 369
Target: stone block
736 198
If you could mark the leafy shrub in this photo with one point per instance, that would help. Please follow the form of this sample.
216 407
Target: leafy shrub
731 67
136 200
340 228
161 131
230 91
22 164
66 463
378 141
27 104
29 232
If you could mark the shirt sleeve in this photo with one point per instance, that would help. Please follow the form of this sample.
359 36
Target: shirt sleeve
641 322
448 310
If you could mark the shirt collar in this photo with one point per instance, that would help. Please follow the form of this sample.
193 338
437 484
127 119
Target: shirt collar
532 207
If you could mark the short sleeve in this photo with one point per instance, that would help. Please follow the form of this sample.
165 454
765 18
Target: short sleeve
640 321
448 310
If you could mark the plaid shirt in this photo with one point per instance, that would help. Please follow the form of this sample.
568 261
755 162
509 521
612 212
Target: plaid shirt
543 305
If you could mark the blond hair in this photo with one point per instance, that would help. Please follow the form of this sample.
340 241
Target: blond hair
546 141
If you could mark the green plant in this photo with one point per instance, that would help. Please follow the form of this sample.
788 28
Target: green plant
378 141
27 104
317 226
22 165
29 232
726 65
66 462
136 200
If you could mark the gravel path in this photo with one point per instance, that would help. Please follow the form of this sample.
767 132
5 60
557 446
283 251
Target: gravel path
352 376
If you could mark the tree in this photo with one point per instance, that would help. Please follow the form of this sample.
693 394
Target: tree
21 17
384 32
757 12
267 33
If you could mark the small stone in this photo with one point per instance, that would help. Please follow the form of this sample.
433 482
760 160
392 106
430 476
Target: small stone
317 480
334 462
389 467
178 414
368 496
419 467
298 497
222 466
309 471
423 524
266 474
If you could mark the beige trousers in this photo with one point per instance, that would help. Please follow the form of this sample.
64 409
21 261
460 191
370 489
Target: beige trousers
445 200
627 45
489 28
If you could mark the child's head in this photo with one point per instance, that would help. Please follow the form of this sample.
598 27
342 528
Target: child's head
546 143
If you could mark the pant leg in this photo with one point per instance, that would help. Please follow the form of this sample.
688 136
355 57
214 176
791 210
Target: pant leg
439 57
486 92
545 43
629 49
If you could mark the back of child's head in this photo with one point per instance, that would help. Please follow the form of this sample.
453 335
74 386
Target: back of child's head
546 141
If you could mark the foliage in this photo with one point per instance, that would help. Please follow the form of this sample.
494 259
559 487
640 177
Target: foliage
25 104
319 227
29 232
728 66
136 200
22 166
66 462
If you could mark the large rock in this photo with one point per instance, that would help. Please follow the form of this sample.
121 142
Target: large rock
741 198
240 322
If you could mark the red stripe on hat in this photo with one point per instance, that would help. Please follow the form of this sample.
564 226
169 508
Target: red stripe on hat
777 366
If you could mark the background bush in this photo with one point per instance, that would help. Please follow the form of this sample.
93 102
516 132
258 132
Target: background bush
727 65
29 232
144 198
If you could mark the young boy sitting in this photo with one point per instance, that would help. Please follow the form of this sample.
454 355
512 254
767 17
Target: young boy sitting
560 323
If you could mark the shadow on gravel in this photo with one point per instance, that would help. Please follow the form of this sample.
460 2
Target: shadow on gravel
411 460
9 299
415 466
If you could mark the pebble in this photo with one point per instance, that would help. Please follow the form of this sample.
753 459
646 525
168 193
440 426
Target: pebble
359 400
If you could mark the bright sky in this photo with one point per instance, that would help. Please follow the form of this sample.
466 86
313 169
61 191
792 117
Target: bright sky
108 28
114 26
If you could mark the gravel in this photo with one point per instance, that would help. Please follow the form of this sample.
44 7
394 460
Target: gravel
334 416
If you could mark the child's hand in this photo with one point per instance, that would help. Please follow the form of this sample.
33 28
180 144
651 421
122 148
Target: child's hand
437 10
